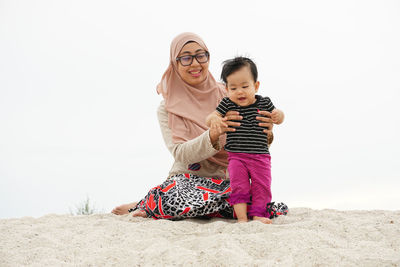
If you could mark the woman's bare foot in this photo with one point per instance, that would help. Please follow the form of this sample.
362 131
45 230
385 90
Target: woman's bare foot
262 219
123 209
242 220
139 213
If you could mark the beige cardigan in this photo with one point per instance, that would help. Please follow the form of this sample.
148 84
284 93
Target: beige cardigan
197 150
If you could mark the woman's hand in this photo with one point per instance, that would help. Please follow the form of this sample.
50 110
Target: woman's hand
224 125
229 119
266 121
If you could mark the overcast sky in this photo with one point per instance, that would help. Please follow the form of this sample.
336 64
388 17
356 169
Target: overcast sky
78 99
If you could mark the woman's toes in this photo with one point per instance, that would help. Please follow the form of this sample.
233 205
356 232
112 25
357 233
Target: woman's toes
124 209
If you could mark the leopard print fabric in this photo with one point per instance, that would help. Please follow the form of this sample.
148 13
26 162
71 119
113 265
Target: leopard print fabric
186 196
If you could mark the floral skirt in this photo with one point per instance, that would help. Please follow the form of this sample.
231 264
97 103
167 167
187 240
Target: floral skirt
186 196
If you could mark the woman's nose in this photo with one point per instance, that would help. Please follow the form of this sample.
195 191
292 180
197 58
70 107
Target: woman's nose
195 62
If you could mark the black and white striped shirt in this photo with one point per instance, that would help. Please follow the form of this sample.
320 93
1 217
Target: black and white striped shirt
249 136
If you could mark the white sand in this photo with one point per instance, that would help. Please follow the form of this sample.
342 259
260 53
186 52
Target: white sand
303 238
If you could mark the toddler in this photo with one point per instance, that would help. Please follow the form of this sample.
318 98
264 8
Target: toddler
247 145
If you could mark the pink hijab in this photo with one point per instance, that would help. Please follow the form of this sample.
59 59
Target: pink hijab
188 106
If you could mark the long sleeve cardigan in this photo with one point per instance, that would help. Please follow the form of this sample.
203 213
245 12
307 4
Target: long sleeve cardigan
194 152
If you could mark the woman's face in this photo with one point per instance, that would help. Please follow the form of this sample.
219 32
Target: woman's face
195 73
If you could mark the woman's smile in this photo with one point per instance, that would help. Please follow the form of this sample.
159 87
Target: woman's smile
195 73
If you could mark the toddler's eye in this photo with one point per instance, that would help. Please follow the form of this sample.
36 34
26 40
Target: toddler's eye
245 86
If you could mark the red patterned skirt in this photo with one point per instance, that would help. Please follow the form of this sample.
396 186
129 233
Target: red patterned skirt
187 196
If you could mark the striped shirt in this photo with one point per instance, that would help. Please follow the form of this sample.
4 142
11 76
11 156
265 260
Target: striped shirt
249 136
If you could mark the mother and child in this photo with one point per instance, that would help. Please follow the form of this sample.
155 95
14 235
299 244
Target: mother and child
206 180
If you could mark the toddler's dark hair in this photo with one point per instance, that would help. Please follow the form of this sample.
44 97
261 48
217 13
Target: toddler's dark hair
234 64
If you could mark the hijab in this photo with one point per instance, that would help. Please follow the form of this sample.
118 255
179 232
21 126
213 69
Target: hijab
188 106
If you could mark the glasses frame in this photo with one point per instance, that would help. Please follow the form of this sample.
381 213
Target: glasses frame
194 56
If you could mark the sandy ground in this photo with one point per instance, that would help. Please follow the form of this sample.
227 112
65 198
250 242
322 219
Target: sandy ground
304 237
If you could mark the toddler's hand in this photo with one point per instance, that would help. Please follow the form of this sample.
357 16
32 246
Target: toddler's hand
217 124
277 116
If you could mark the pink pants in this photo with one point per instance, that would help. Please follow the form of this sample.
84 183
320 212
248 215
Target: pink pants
244 167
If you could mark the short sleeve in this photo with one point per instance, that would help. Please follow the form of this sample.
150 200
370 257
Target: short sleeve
267 104
223 106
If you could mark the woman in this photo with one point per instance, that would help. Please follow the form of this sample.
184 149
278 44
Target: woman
198 183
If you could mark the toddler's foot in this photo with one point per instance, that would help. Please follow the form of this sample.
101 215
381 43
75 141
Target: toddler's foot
124 209
242 220
262 219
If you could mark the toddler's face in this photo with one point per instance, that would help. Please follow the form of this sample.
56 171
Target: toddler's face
241 87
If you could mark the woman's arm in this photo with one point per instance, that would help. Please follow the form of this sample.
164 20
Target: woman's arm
192 151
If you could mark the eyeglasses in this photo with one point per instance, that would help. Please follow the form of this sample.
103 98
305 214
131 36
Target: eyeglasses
187 60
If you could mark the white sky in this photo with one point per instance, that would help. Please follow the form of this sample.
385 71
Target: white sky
78 101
